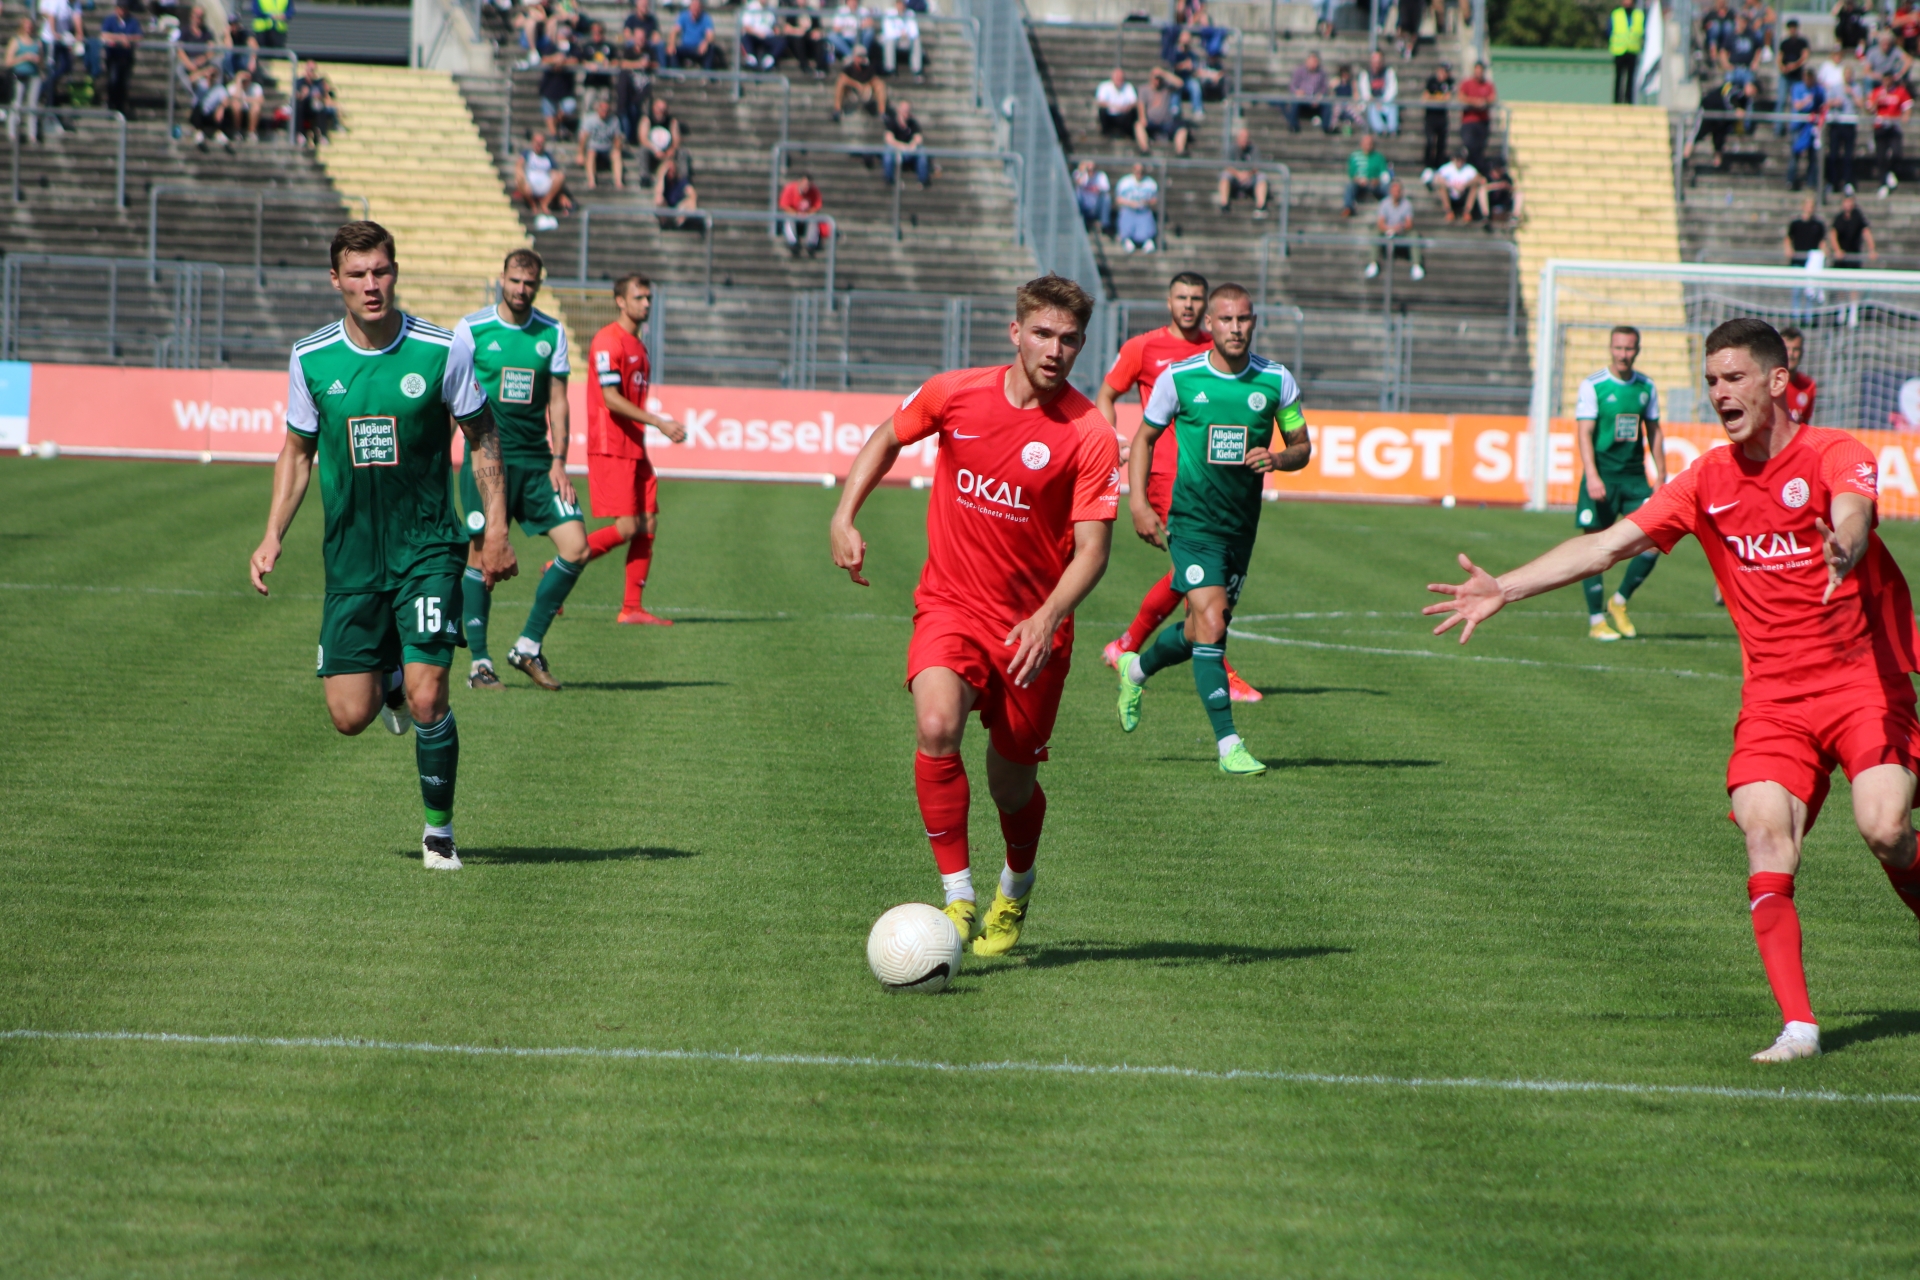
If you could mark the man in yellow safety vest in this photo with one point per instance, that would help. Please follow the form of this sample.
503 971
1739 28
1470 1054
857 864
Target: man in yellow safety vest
270 22
1626 37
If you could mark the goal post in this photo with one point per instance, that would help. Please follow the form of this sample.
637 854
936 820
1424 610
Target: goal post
1862 330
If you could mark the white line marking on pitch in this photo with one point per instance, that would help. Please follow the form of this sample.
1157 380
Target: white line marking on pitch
1238 634
970 1068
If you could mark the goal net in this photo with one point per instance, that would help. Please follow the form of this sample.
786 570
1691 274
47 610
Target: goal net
1862 345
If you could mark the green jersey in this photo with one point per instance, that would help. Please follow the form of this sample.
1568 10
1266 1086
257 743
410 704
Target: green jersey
516 365
1620 412
1216 418
383 442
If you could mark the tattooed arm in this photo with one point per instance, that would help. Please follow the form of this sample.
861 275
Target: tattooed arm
483 445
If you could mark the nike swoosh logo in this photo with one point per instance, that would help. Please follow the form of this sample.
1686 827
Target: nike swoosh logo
1714 511
958 436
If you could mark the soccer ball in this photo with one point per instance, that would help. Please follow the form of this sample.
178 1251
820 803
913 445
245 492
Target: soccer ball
914 947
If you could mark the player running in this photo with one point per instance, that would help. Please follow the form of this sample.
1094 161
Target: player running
1224 406
620 479
1025 490
1142 359
519 356
368 400
1786 519
1618 412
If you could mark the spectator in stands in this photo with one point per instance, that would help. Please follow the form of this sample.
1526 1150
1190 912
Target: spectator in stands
192 43
1368 174
1760 20
1457 183
62 30
1242 176
1626 38
1394 222
1721 107
242 46
1160 113
558 106
1380 90
1197 79
857 78
1796 55
1136 197
1850 238
1804 100
1407 38
539 181
120 34
801 197
1209 39
643 29
692 38
596 55
245 98
851 28
905 144
1477 97
1323 12
761 43
806 38
1346 101
1308 86
1116 105
661 137
1850 26
1835 77
600 145
1741 49
316 115
1906 26
1500 199
1716 30
673 189
528 26
26 55
1891 105
1887 58
1094 192
633 84
900 30
1806 235
1437 93
270 18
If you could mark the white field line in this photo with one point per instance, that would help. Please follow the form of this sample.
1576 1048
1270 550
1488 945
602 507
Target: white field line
1239 634
972 1068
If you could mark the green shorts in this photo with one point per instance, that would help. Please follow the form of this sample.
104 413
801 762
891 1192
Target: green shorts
379 630
1209 564
1623 499
531 501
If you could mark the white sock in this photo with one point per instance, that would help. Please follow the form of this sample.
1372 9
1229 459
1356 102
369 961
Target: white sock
446 831
524 645
1595 619
1227 744
1804 1031
1619 599
1016 884
958 886
1130 667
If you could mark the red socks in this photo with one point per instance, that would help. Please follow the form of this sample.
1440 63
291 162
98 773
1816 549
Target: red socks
1776 928
601 541
941 784
1906 883
639 560
1022 831
1158 604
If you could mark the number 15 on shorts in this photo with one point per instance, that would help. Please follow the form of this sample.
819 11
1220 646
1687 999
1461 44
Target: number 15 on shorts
427 617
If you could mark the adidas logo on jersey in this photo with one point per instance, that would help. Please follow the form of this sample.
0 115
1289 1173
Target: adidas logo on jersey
493 346
337 389
1201 398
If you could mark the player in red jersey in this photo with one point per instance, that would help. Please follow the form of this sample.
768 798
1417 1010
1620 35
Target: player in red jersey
620 480
1142 359
1785 516
1021 519
1801 388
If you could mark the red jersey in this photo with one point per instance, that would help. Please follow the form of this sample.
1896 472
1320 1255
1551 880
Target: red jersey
1008 487
1800 393
1142 359
618 360
1889 104
1755 522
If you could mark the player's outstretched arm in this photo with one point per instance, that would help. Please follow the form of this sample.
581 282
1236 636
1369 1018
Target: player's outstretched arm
483 442
1844 544
292 473
1482 595
1146 522
1032 639
870 466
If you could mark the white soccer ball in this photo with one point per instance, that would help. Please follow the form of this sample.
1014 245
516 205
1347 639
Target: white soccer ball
914 947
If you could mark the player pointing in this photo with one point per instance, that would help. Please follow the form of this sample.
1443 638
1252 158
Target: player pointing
1224 407
368 400
1785 516
1025 490
1618 412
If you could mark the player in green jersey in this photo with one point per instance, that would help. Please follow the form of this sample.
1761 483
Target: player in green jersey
1224 406
519 356
368 403
1618 412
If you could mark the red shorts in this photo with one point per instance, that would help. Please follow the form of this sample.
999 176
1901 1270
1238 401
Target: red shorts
1160 493
621 486
1019 721
1799 742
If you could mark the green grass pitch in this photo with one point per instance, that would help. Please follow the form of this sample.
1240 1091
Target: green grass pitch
1508 865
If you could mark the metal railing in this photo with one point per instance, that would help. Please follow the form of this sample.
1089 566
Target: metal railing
776 169
1424 243
1689 127
181 341
229 191
1167 165
1235 38
62 113
707 218
969 25
671 75
1126 311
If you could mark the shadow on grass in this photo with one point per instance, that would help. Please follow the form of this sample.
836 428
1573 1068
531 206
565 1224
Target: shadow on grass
1281 691
1165 955
1881 1024
645 686
511 855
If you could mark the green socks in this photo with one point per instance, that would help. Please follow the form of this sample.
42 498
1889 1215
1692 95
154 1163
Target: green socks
1596 589
1169 649
1210 681
476 604
1637 570
436 751
555 584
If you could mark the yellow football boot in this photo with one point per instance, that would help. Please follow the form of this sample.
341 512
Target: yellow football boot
963 912
1601 631
1617 612
1002 927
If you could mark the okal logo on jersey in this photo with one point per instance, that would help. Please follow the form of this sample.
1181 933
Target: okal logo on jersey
413 386
988 489
1036 455
373 441
516 386
1795 492
1767 546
